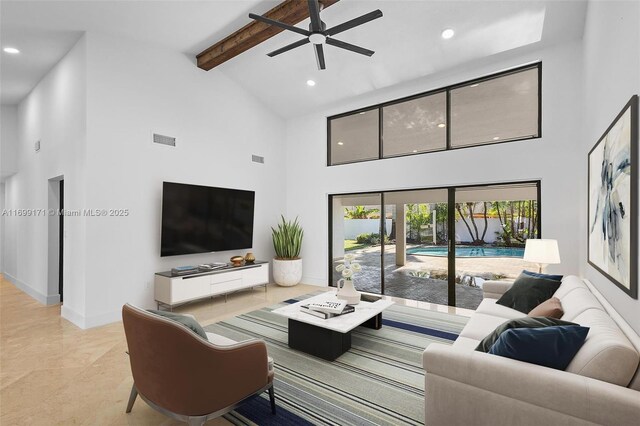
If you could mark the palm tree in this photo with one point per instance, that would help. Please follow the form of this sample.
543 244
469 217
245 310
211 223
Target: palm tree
359 212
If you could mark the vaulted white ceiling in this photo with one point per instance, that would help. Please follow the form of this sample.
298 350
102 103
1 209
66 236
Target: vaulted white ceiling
406 40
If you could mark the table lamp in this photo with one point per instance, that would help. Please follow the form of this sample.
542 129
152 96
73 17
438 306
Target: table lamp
542 252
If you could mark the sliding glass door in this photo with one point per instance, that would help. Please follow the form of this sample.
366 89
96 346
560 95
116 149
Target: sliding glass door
356 222
418 226
434 245
492 224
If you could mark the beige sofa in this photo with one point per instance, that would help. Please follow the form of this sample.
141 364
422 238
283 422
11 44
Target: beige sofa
600 386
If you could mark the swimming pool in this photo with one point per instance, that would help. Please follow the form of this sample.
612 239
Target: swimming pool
469 251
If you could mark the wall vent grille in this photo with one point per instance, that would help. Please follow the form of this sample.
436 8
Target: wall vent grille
164 140
257 159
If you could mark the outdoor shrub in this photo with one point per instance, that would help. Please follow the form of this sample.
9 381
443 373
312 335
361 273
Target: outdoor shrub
371 238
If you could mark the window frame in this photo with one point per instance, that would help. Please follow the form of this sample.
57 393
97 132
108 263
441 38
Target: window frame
451 200
447 89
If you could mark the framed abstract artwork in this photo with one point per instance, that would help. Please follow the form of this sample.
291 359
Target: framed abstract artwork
612 246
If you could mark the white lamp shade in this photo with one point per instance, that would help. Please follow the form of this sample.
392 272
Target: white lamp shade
542 251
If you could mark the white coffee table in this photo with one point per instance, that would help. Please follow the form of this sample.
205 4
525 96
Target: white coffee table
329 338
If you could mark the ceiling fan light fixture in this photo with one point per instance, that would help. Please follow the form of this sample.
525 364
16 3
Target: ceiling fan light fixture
317 38
447 33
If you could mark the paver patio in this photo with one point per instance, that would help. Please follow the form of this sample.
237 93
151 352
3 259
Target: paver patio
415 280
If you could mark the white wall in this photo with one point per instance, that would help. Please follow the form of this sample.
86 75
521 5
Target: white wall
54 113
8 140
355 227
134 89
1 227
551 159
612 76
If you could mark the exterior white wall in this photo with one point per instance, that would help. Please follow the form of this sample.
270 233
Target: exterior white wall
54 113
355 227
493 226
8 140
611 77
135 89
552 158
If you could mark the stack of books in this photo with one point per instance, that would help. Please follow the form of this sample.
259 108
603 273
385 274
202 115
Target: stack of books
327 309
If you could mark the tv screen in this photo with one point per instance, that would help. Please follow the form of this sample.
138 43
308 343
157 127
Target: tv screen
203 219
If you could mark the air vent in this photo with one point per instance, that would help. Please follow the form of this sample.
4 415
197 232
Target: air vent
257 159
164 140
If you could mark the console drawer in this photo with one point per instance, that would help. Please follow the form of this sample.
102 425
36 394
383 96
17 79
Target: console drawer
226 276
190 288
227 287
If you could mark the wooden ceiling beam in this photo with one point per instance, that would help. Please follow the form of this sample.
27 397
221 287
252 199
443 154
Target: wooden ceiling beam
290 12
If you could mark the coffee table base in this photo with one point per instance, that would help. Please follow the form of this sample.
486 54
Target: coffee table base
322 342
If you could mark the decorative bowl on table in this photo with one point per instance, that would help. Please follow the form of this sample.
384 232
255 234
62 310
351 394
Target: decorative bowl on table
237 260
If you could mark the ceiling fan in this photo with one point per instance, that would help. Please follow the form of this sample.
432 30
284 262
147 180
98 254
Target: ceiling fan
318 33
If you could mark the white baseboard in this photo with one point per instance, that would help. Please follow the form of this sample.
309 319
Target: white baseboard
102 319
26 288
72 316
85 322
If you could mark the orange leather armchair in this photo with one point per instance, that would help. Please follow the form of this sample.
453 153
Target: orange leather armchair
186 377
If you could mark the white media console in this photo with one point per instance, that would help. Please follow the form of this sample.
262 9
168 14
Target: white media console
172 290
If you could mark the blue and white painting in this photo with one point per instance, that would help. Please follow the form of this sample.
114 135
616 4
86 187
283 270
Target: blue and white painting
610 212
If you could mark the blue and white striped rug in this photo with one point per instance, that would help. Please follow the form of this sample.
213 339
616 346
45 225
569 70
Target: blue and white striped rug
379 381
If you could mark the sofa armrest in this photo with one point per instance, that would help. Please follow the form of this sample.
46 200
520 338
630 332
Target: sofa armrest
495 289
472 387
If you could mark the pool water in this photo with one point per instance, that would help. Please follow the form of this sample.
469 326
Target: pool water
469 251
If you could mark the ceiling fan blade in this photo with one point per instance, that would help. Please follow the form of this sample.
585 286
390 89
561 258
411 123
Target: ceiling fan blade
289 47
279 24
354 22
319 56
314 14
349 46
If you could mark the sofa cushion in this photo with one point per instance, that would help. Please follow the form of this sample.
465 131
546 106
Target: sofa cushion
607 354
569 283
480 325
489 307
528 292
578 301
552 347
551 308
541 275
526 322
466 343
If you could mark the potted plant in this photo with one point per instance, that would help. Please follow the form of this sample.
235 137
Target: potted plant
287 241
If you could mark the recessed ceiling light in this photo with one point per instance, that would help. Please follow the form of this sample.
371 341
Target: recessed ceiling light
363 112
448 33
340 143
311 83
474 85
415 150
496 138
11 50
441 125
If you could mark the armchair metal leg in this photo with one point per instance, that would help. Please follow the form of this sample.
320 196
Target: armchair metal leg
272 399
196 421
132 398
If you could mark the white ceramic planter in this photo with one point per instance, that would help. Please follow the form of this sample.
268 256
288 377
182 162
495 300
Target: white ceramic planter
287 273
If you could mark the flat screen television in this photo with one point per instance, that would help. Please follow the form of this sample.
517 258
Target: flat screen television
203 219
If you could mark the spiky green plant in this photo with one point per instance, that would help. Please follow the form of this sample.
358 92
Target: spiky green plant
287 239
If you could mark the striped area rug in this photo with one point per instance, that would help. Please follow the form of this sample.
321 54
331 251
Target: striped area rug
379 381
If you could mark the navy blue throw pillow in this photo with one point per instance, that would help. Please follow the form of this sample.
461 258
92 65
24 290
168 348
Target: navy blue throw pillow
545 276
552 347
